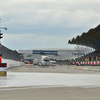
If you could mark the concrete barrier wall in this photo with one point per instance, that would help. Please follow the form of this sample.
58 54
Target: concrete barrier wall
12 63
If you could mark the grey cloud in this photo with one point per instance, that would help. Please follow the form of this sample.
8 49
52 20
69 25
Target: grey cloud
49 18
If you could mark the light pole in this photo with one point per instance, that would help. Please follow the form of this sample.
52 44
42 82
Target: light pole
2 33
3 28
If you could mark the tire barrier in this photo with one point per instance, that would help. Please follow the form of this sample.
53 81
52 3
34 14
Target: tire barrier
87 63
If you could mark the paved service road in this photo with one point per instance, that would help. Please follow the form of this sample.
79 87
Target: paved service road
50 83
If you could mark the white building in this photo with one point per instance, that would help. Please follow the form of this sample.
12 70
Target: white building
57 54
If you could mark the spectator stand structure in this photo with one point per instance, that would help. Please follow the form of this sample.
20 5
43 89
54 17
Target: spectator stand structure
90 39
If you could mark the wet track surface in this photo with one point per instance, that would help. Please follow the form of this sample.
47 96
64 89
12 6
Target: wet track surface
35 80
50 83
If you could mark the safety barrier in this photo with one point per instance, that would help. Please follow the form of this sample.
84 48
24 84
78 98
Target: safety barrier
3 69
87 63
12 63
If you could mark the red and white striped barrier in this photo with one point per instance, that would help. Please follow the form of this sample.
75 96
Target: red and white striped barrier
81 63
85 63
3 69
98 62
95 63
89 63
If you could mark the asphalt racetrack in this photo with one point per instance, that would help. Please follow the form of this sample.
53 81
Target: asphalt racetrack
50 83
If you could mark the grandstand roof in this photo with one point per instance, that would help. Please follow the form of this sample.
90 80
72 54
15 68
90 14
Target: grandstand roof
90 38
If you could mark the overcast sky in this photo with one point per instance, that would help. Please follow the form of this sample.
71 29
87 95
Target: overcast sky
46 23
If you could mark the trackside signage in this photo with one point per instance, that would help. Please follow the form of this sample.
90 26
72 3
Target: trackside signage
44 52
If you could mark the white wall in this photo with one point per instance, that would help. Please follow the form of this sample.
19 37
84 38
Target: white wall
12 63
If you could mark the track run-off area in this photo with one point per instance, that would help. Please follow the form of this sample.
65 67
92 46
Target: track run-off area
51 83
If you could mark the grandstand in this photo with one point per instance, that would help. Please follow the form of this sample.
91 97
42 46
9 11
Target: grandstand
90 39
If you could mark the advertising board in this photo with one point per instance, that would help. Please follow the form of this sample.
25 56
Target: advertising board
45 52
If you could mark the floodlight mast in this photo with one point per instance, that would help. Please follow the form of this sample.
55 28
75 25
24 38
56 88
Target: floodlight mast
2 33
3 28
